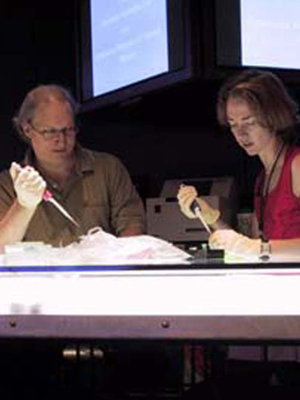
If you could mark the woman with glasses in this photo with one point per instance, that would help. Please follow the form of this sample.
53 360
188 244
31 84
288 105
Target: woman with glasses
95 188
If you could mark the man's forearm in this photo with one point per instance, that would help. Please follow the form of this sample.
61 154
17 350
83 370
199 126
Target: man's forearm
14 224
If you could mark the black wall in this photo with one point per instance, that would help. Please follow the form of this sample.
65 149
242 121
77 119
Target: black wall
169 134
36 46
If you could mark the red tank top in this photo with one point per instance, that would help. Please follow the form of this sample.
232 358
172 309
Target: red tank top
282 208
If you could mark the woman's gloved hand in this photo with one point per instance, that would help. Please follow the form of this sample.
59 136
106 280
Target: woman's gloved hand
234 243
28 184
186 195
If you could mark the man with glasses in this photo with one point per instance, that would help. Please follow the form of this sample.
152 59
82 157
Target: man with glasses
95 188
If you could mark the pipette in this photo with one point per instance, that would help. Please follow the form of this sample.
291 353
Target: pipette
48 196
196 209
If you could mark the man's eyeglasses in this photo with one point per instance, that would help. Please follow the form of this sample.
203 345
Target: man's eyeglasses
52 133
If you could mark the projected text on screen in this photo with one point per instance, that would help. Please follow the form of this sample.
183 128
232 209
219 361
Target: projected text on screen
129 42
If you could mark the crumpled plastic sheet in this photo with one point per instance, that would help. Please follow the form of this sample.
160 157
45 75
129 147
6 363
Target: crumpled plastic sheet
97 248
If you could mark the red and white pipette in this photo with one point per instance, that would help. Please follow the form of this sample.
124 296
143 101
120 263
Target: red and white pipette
48 196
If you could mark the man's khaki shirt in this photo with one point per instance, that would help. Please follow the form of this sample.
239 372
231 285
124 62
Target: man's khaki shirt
99 193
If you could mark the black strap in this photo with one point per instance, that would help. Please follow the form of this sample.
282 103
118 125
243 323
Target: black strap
264 195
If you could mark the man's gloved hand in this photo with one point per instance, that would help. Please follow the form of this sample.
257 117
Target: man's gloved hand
186 195
234 243
28 184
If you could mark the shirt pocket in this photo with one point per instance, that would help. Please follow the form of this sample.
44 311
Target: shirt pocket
96 215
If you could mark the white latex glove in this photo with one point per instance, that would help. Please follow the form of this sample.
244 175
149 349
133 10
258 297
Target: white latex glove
28 184
234 243
186 195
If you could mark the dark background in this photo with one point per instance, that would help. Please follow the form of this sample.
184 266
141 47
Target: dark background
170 133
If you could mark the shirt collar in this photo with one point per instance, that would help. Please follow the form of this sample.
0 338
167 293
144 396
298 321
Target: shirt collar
84 160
